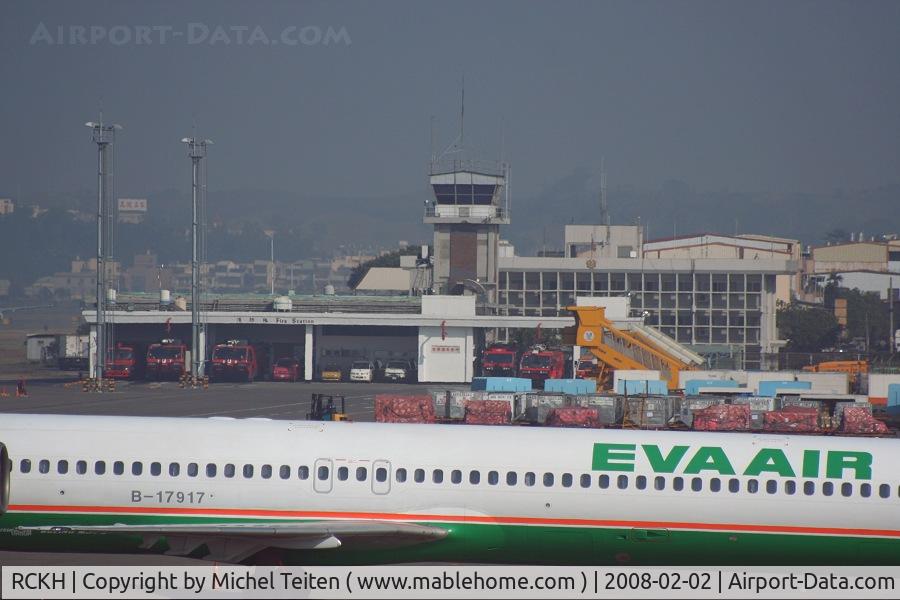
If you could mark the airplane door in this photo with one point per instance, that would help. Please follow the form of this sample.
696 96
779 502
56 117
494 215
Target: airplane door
381 477
322 475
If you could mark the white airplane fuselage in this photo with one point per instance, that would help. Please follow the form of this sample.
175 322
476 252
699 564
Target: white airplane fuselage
475 493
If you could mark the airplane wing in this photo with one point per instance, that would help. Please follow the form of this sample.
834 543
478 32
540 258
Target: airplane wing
234 542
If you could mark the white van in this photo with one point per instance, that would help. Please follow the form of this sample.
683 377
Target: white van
362 370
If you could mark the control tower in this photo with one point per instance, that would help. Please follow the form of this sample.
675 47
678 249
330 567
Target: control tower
471 202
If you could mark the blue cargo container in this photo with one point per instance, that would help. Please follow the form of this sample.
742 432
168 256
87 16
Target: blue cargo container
769 388
501 384
571 386
893 394
692 386
642 386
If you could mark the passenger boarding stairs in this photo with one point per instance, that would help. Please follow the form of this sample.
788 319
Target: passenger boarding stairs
639 349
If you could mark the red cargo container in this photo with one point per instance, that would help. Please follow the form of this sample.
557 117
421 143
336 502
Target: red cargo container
860 420
574 416
792 419
488 412
723 417
403 409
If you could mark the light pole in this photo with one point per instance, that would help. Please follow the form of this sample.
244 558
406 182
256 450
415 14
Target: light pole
102 135
197 151
271 234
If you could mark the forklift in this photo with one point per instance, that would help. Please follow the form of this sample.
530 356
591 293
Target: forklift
323 408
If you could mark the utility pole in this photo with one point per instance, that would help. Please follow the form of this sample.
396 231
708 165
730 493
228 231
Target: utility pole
197 152
103 135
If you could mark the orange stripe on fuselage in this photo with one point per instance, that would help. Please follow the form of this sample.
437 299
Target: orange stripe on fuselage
505 520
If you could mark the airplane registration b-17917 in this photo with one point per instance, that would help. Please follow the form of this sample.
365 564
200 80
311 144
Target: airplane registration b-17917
299 492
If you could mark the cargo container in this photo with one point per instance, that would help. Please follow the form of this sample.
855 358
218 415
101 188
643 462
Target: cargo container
648 412
574 416
74 352
792 419
488 412
859 420
610 409
722 417
404 409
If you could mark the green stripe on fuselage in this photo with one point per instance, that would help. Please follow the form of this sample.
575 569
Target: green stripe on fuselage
498 543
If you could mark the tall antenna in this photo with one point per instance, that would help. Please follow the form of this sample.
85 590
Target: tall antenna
103 135
462 115
197 152
604 208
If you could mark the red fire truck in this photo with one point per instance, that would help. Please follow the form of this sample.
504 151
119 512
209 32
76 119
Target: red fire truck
540 363
166 360
500 360
235 359
121 363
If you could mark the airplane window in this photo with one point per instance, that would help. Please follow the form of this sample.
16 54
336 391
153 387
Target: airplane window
62 467
846 489
118 467
44 466
343 473
548 479
715 484
511 478
884 490
790 487
100 467
865 490
771 487
228 471
81 467
678 484
361 473
174 469
734 486
659 483
381 474
137 468
585 480
419 475
322 473
809 488
567 480
640 482
400 475
603 481
25 466
155 469
211 469
193 469
530 478
752 486
493 477
696 484
284 471
248 471
827 488
303 472
437 476
474 477
455 476
622 482
265 471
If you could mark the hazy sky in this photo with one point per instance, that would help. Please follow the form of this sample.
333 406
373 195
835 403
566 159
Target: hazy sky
780 96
